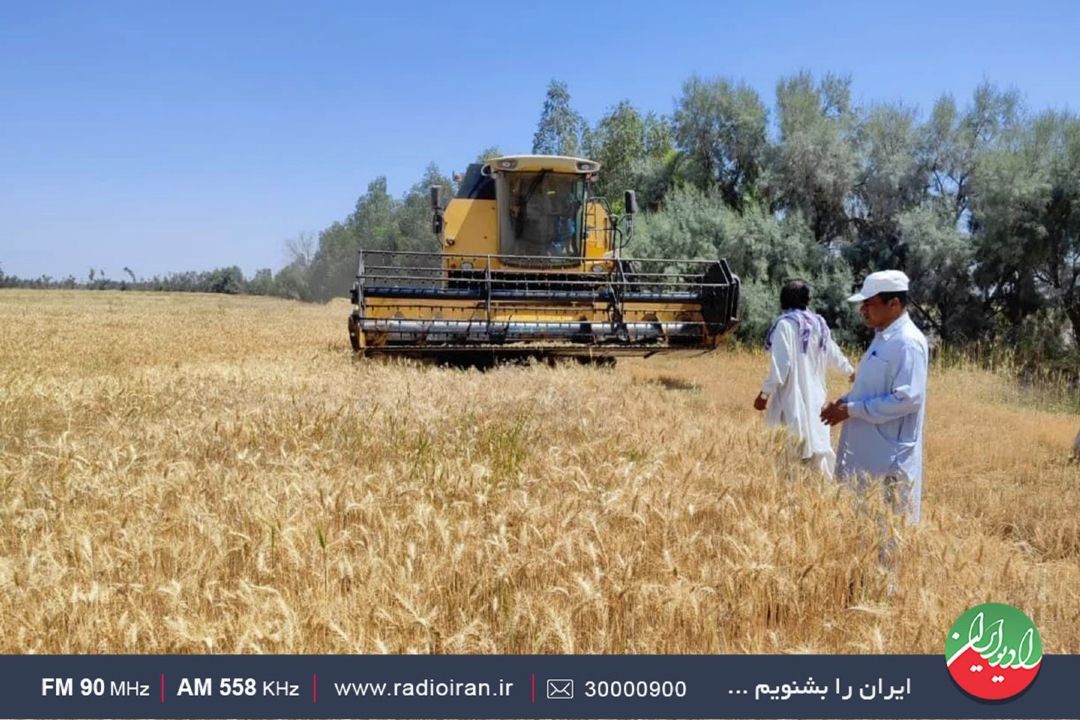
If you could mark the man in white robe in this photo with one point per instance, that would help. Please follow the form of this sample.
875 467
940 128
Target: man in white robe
801 350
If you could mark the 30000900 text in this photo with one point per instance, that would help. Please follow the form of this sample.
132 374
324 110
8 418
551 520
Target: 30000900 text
635 688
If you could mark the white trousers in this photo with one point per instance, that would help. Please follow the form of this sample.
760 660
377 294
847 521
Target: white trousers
822 462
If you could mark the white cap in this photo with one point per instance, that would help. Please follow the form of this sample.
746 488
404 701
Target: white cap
879 282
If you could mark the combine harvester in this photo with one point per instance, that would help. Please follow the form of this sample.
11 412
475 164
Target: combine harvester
531 266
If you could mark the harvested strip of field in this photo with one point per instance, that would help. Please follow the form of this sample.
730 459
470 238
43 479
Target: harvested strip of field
186 473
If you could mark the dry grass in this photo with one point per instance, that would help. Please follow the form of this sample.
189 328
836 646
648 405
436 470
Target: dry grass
184 473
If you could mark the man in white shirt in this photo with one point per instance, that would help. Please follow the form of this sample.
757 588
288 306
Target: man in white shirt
884 411
801 350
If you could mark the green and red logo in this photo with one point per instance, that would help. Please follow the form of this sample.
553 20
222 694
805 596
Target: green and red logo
993 651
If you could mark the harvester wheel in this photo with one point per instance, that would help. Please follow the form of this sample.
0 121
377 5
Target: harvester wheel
355 335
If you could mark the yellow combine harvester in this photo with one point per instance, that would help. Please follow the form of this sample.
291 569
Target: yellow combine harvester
531 266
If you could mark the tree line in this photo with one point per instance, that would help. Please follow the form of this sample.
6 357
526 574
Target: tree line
977 200
227 280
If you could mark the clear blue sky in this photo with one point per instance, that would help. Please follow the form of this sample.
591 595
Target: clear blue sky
191 135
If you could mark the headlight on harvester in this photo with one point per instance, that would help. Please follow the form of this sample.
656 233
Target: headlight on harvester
466 265
597 268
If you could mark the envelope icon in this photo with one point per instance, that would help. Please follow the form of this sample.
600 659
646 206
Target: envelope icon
561 689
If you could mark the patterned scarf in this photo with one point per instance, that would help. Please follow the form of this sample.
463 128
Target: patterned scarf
805 320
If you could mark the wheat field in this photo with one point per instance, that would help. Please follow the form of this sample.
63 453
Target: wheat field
191 473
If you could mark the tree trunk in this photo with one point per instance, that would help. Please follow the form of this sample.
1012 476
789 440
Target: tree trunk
1073 312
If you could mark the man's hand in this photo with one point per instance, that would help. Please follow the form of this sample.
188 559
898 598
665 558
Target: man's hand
761 402
834 413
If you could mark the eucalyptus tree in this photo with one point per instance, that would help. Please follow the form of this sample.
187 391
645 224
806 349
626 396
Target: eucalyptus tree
1026 204
412 215
560 128
617 141
371 226
891 177
813 165
720 127
955 141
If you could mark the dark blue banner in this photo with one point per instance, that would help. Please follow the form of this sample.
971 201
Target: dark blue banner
520 686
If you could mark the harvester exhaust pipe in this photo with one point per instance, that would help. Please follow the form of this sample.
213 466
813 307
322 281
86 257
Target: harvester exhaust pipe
437 222
630 206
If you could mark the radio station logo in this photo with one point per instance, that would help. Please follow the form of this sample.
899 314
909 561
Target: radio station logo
993 651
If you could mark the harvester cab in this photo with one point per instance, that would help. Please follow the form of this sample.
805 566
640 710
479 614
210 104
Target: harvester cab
530 264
